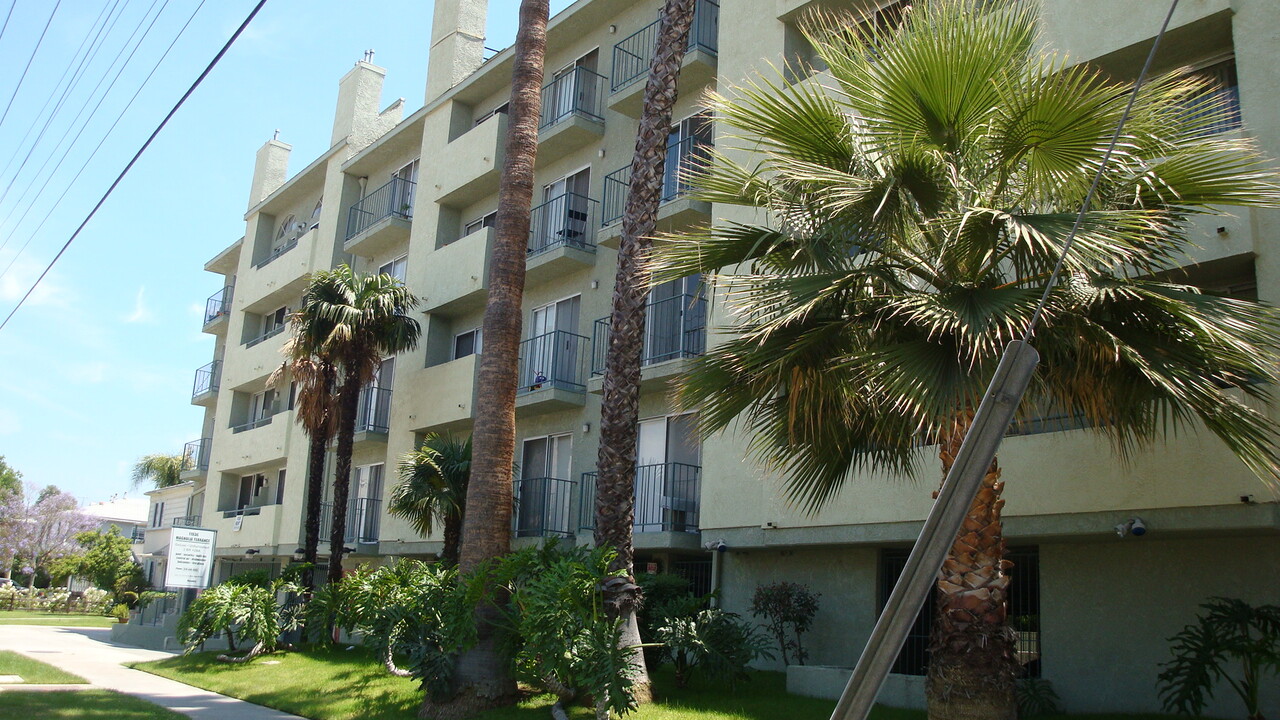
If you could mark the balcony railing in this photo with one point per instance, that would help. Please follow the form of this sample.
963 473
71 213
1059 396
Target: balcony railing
684 158
207 379
578 92
219 305
373 414
195 454
277 252
557 359
674 328
567 220
266 336
395 199
632 55
667 498
187 521
362 520
544 507
254 423
245 511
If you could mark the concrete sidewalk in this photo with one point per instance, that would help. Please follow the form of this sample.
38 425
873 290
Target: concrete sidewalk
89 653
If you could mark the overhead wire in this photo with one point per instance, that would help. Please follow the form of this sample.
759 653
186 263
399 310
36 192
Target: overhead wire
8 15
23 77
85 164
208 69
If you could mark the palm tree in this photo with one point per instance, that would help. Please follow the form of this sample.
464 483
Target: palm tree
358 320
915 211
483 679
315 376
160 470
433 487
620 406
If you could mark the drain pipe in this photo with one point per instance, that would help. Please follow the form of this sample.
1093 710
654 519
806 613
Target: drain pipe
718 548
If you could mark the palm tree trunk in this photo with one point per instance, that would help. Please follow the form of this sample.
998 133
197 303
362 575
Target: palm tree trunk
620 406
483 679
973 662
348 402
319 447
452 538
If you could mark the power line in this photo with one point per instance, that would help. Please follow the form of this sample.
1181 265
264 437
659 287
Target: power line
208 69
33 57
94 153
12 5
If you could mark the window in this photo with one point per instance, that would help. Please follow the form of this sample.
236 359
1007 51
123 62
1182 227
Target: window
315 213
467 343
500 110
280 487
402 191
545 490
274 320
1023 601
564 216
687 150
157 515
1217 108
668 473
262 405
396 268
480 223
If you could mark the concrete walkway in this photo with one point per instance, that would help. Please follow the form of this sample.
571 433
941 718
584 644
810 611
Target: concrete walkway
89 653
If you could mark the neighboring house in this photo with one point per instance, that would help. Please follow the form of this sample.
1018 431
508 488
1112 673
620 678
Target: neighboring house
174 506
126 514
1212 528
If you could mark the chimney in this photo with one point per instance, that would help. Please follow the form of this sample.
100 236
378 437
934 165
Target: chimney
270 170
359 92
457 43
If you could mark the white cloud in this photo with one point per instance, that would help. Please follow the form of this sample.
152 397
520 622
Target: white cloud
18 279
141 313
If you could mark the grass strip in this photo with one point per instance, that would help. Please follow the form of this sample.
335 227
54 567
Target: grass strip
34 672
80 705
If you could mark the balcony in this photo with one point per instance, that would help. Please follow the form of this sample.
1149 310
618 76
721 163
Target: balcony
195 459
553 373
459 280
276 278
381 220
473 162
633 54
561 237
373 414
363 516
441 396
544 507
572 113
252 424
204 391
684 158
192 521
254 526
217 311
667 498
265 336
674 328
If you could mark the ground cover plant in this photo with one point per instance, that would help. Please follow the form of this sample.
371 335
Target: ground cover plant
35 672
81 705
26 617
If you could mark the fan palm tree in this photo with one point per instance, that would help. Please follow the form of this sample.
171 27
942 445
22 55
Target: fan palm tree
620 406
315 376
160 470
484 679
915 210
355 321
433 487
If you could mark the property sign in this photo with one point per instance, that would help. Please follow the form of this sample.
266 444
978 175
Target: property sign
190 558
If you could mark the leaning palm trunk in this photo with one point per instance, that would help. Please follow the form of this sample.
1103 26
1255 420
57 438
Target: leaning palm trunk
620 407
483 679
254 652
973 664
348 402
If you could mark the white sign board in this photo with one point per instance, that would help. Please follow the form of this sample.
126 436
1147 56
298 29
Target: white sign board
190 558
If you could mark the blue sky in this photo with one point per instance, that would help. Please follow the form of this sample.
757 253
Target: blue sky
96 368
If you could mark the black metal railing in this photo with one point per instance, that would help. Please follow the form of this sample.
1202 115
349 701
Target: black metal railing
266 335
557 359
544 507
674 328
577 92
667 498
632 55
373 414
195 454
277 252
219 305
395 199
245 511
207 379
255 423
567 220
684 158
362 520
187 521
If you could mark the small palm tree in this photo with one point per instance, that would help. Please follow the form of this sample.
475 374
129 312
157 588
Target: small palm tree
354 321
160 470
433 487
914 213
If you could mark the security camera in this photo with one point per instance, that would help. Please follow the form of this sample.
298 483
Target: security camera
716 545
1132 526
1122 529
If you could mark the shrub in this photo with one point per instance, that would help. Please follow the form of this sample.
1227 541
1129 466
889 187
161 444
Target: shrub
1036 696
120 613
714 644
252 612
788 610
1230 631
664 595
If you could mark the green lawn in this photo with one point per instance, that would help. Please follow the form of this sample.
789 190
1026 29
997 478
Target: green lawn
80 705
29 617
34 671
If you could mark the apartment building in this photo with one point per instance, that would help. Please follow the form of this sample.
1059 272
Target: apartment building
415 196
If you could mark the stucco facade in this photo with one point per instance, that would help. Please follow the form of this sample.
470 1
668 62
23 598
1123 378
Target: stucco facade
413 193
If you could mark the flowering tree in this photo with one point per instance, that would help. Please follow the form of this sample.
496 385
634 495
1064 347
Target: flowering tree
41 532
13 525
